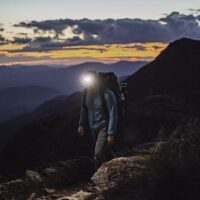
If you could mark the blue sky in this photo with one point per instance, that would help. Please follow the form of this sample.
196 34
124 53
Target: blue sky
12 11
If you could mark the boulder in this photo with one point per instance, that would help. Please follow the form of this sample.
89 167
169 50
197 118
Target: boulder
170 170
80 195
15 188
33 177
119 175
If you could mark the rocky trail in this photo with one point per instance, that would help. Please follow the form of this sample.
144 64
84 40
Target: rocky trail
163 169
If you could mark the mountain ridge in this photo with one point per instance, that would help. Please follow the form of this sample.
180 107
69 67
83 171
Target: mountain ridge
62 79
174 72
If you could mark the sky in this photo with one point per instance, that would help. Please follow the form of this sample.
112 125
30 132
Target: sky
74 31
20 10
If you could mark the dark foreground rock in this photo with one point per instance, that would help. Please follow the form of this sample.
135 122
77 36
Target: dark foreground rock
50 180
169 171
69 172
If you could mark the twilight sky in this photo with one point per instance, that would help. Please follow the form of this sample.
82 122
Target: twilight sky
73 31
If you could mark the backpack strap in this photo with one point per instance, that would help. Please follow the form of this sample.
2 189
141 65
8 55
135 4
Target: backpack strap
104 103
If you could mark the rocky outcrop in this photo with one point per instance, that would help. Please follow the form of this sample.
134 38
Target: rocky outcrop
119 171
49 181
121 178
169 171
165 169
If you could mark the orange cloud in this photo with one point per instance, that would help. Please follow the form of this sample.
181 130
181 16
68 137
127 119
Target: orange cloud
102 53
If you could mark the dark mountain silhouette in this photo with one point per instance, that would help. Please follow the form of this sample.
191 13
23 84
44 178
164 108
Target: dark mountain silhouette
174 72
162 96
48 132
166 91
62 78
15 101
9 128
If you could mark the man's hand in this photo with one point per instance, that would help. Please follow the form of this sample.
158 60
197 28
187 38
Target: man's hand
110 140
81 130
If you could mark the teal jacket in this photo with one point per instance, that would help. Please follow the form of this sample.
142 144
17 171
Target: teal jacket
92 111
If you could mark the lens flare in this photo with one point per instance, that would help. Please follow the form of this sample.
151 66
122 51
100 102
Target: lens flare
88 80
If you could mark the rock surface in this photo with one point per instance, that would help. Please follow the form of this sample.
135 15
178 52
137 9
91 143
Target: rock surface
119 171
51 183
167 169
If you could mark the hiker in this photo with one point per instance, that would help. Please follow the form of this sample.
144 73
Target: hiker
102 121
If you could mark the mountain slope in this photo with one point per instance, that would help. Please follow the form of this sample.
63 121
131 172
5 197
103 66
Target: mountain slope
175 72
46 133
156 106
64 79
9 128
15 101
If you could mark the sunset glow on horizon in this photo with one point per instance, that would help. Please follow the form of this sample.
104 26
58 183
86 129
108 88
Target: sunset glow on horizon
71 32
100 53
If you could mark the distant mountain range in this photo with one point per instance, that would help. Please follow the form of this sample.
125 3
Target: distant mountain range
65 79
161 96
15 101
23 88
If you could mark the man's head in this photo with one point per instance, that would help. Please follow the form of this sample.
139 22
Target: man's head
90 79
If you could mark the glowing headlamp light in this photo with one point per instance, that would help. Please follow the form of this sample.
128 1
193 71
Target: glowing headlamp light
88 79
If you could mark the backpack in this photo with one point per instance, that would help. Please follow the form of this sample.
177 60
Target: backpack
109 80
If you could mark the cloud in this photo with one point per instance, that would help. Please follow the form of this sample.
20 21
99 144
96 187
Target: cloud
17 40
44 44
38 44
105 31
194 10
2 40
7 59
112 31
1 27
48 25
138 47
180 25
156 47
21 59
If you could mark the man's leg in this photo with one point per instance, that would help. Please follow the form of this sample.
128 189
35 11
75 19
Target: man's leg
100 147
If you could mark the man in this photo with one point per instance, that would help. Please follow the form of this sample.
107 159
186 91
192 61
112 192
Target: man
102 124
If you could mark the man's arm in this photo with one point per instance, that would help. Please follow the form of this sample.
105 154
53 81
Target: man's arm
83 114
112 111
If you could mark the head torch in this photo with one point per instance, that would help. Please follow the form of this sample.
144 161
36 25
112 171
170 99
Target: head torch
89 79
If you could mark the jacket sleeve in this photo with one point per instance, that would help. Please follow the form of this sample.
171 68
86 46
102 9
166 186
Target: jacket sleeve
112 111
83 114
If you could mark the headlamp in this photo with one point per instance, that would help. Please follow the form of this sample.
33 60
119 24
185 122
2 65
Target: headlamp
88 79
